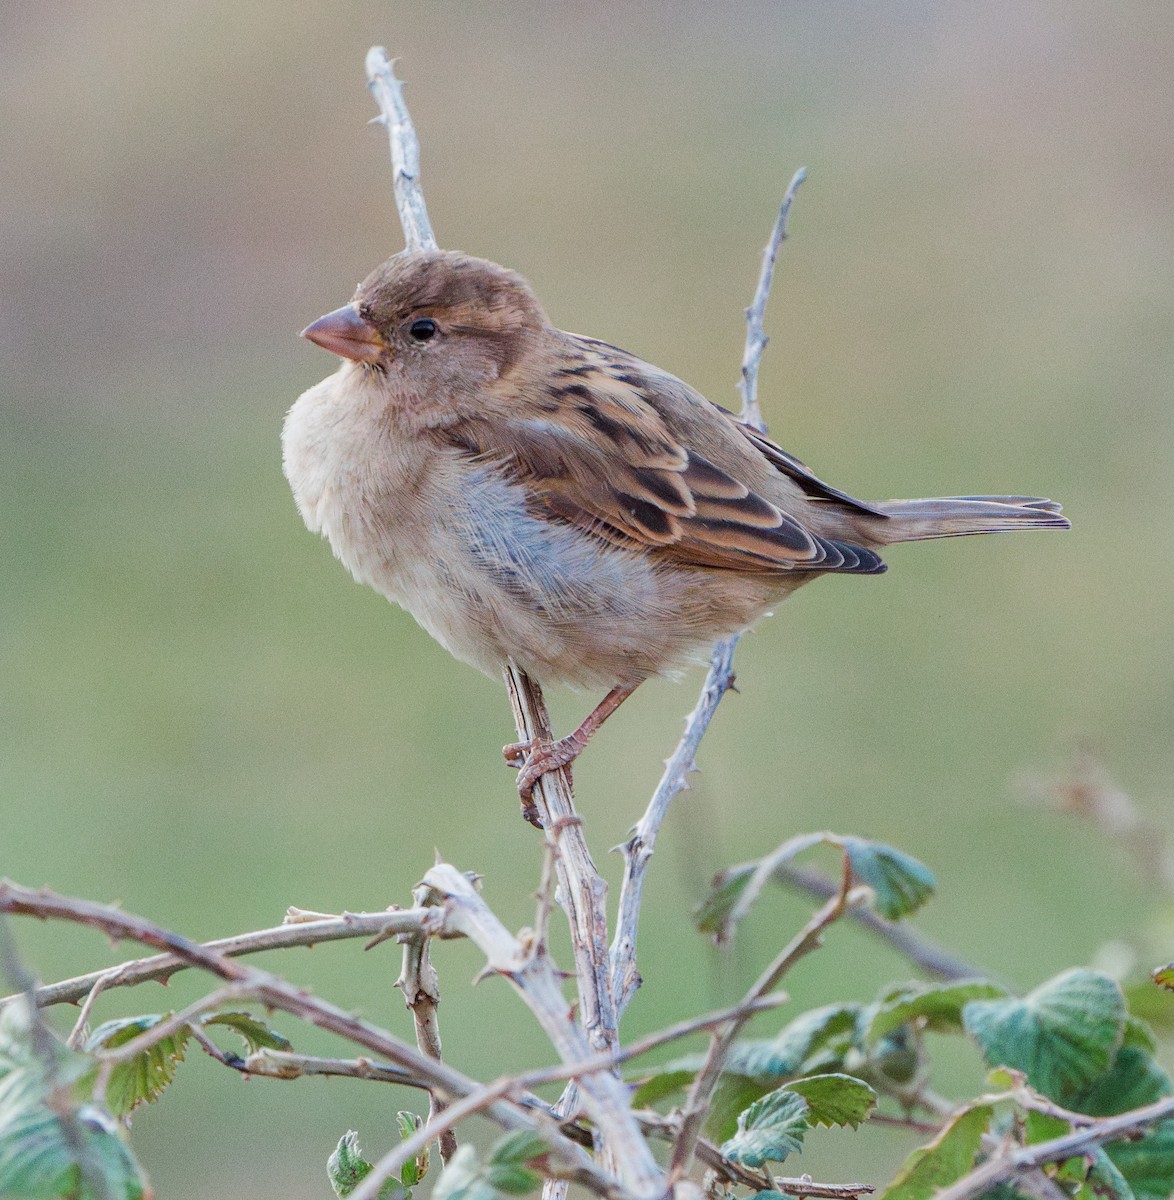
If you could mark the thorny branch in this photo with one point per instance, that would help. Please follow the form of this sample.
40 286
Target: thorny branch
161 967
637 850
421 988
529 969
565 1160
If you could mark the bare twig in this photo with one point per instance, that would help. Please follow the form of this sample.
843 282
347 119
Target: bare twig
568 1159
161 967
638 849
405 150
1004 1168
421 988
701 1091
582 892
531 972
756 338
284 1064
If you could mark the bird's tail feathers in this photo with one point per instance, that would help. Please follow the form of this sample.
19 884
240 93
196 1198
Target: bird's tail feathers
956 516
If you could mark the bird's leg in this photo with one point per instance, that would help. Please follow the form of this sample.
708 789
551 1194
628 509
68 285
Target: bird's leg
534 759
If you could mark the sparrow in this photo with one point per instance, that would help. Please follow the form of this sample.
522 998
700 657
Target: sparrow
549 501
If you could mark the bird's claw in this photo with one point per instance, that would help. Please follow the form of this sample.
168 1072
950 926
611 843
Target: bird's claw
536 758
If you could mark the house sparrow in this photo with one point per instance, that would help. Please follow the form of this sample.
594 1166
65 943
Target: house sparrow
537 498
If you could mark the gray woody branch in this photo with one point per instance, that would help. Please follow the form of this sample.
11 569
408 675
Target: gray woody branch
565 1160
637 850
582 892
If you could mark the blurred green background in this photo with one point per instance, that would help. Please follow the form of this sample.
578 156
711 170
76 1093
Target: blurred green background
206 720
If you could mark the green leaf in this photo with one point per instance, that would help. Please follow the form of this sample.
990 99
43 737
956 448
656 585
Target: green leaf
145 1077
1061 1036
346 1168
1148 1163
816 1040
1164 976
1042 1127
1138 1034
947 1158
835 1099
415 1169
715 912
724 892
256 1034
936 1006
732 1096
665 1083
515 1180
770 1129
38 1160
901 884
519 1146
506 1170
1135 1079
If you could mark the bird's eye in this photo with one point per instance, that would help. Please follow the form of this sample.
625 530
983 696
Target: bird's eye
422 330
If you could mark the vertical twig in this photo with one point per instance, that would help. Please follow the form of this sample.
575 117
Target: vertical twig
637 850
532 973
405 150
582 891
421 988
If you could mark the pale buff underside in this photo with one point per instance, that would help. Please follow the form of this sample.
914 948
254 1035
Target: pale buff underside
453 544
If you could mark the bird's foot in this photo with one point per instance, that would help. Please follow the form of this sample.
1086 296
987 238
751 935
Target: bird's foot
536 758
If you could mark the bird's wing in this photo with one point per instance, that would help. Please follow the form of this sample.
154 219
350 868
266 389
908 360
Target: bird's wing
595 445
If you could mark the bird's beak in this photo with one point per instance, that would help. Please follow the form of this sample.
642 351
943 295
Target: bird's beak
345 333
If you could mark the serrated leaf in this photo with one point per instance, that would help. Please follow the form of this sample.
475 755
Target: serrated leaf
835 1099
732 1096
346 1168
947 1158
900 883
1061 1036
1105 1180
936 1006
256 1034
1148 1163
770 1129
408 1122
146 1076
38 1161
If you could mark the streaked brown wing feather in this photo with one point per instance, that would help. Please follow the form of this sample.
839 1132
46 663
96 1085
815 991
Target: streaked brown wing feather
595 449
